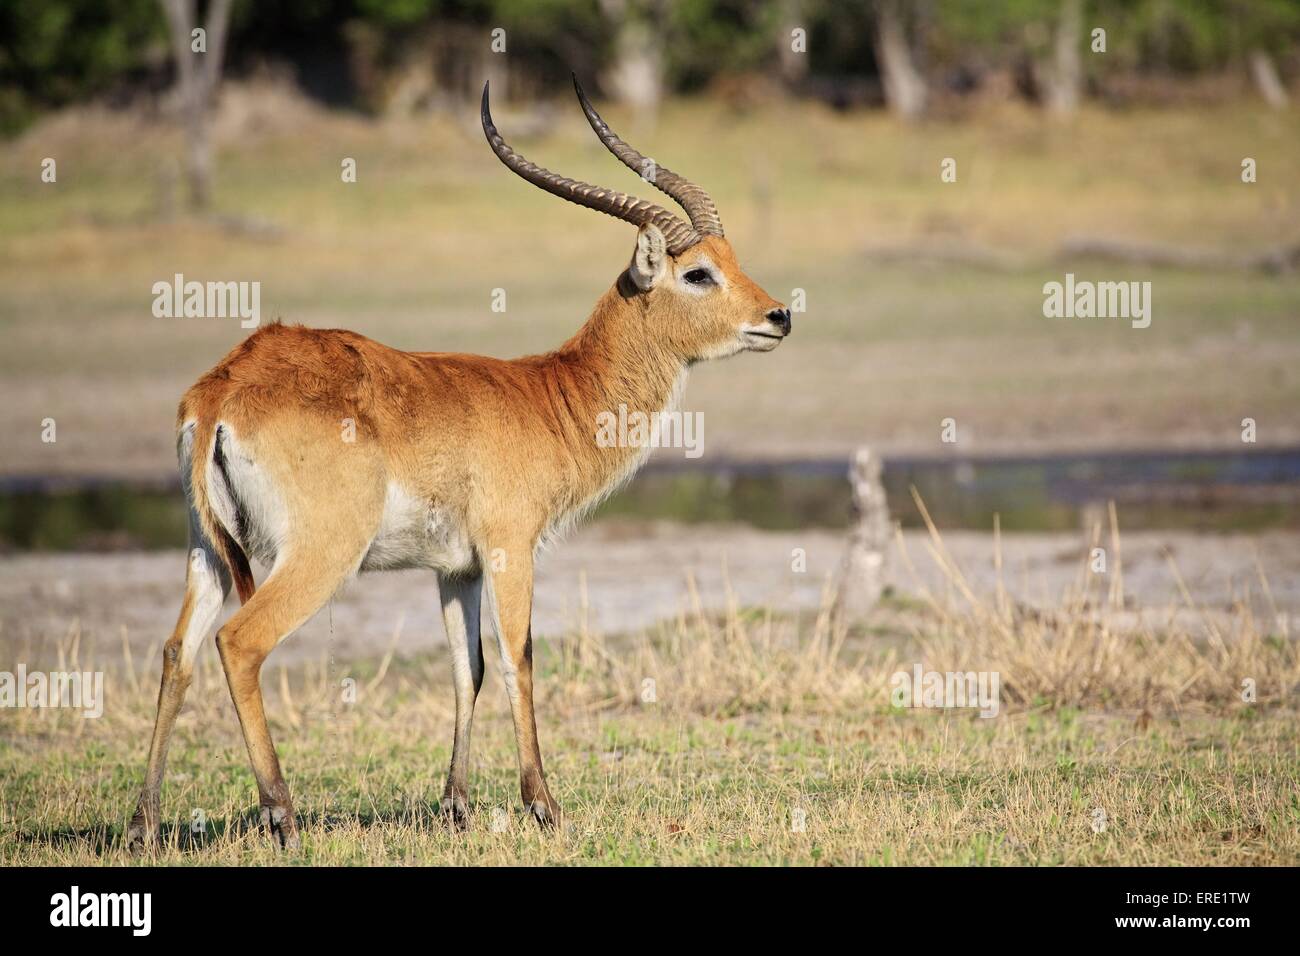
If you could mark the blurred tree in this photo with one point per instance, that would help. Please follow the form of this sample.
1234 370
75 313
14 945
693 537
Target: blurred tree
1191 36
54 52
1269 84
1062 79
404 55
905 89
1037 41
708 38
198 52
1045 41
554 37
790 16
398 13
636 73
842 68
57 51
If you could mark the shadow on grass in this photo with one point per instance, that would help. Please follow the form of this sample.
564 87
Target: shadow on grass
106 840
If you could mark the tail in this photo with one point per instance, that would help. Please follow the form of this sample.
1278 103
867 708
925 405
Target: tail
203 450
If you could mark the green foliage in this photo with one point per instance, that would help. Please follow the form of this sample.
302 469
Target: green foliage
708 37
554 36
55 51
397 12
1150 35
1193 35
991 30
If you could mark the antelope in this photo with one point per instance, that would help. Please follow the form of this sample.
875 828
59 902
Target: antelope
461 464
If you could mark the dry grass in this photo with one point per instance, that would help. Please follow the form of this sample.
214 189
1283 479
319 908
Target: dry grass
757 720
1085 653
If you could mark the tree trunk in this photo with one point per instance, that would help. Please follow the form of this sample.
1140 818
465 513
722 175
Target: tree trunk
197 78
1269 84
637 76
862 571
794 65
1065 75
904 86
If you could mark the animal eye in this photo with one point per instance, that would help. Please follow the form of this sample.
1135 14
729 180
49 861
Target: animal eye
698 276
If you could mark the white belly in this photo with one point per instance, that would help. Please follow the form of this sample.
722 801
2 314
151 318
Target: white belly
415 534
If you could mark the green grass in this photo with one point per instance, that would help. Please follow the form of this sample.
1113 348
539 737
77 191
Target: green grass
648 787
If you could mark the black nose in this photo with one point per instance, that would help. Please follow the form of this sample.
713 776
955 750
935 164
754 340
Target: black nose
781 319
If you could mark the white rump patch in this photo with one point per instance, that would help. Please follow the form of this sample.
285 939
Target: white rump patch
250 506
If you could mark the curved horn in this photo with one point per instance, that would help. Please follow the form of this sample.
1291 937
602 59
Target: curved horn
696 202
677 234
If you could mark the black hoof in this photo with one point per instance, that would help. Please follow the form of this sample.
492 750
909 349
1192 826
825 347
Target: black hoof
279 823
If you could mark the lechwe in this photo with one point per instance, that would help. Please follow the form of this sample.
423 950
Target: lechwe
458 463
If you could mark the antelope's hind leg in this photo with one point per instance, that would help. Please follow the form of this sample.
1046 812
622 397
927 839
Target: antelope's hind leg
207 582
302 581
461 597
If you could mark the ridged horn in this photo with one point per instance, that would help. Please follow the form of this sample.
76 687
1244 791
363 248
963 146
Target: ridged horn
678 235
696 202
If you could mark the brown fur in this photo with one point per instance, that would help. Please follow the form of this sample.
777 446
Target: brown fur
504 450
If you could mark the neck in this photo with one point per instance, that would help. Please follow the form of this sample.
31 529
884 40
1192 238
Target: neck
614 361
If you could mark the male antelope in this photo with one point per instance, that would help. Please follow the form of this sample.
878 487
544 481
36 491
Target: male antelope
456 459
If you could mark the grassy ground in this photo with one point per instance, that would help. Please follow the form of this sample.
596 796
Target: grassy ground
411 252
644 788
761 739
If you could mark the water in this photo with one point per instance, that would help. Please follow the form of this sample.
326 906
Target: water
1217 491
1247 490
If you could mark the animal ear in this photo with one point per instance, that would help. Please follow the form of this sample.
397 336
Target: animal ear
650 261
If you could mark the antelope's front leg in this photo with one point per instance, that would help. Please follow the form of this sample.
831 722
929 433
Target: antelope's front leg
510 591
